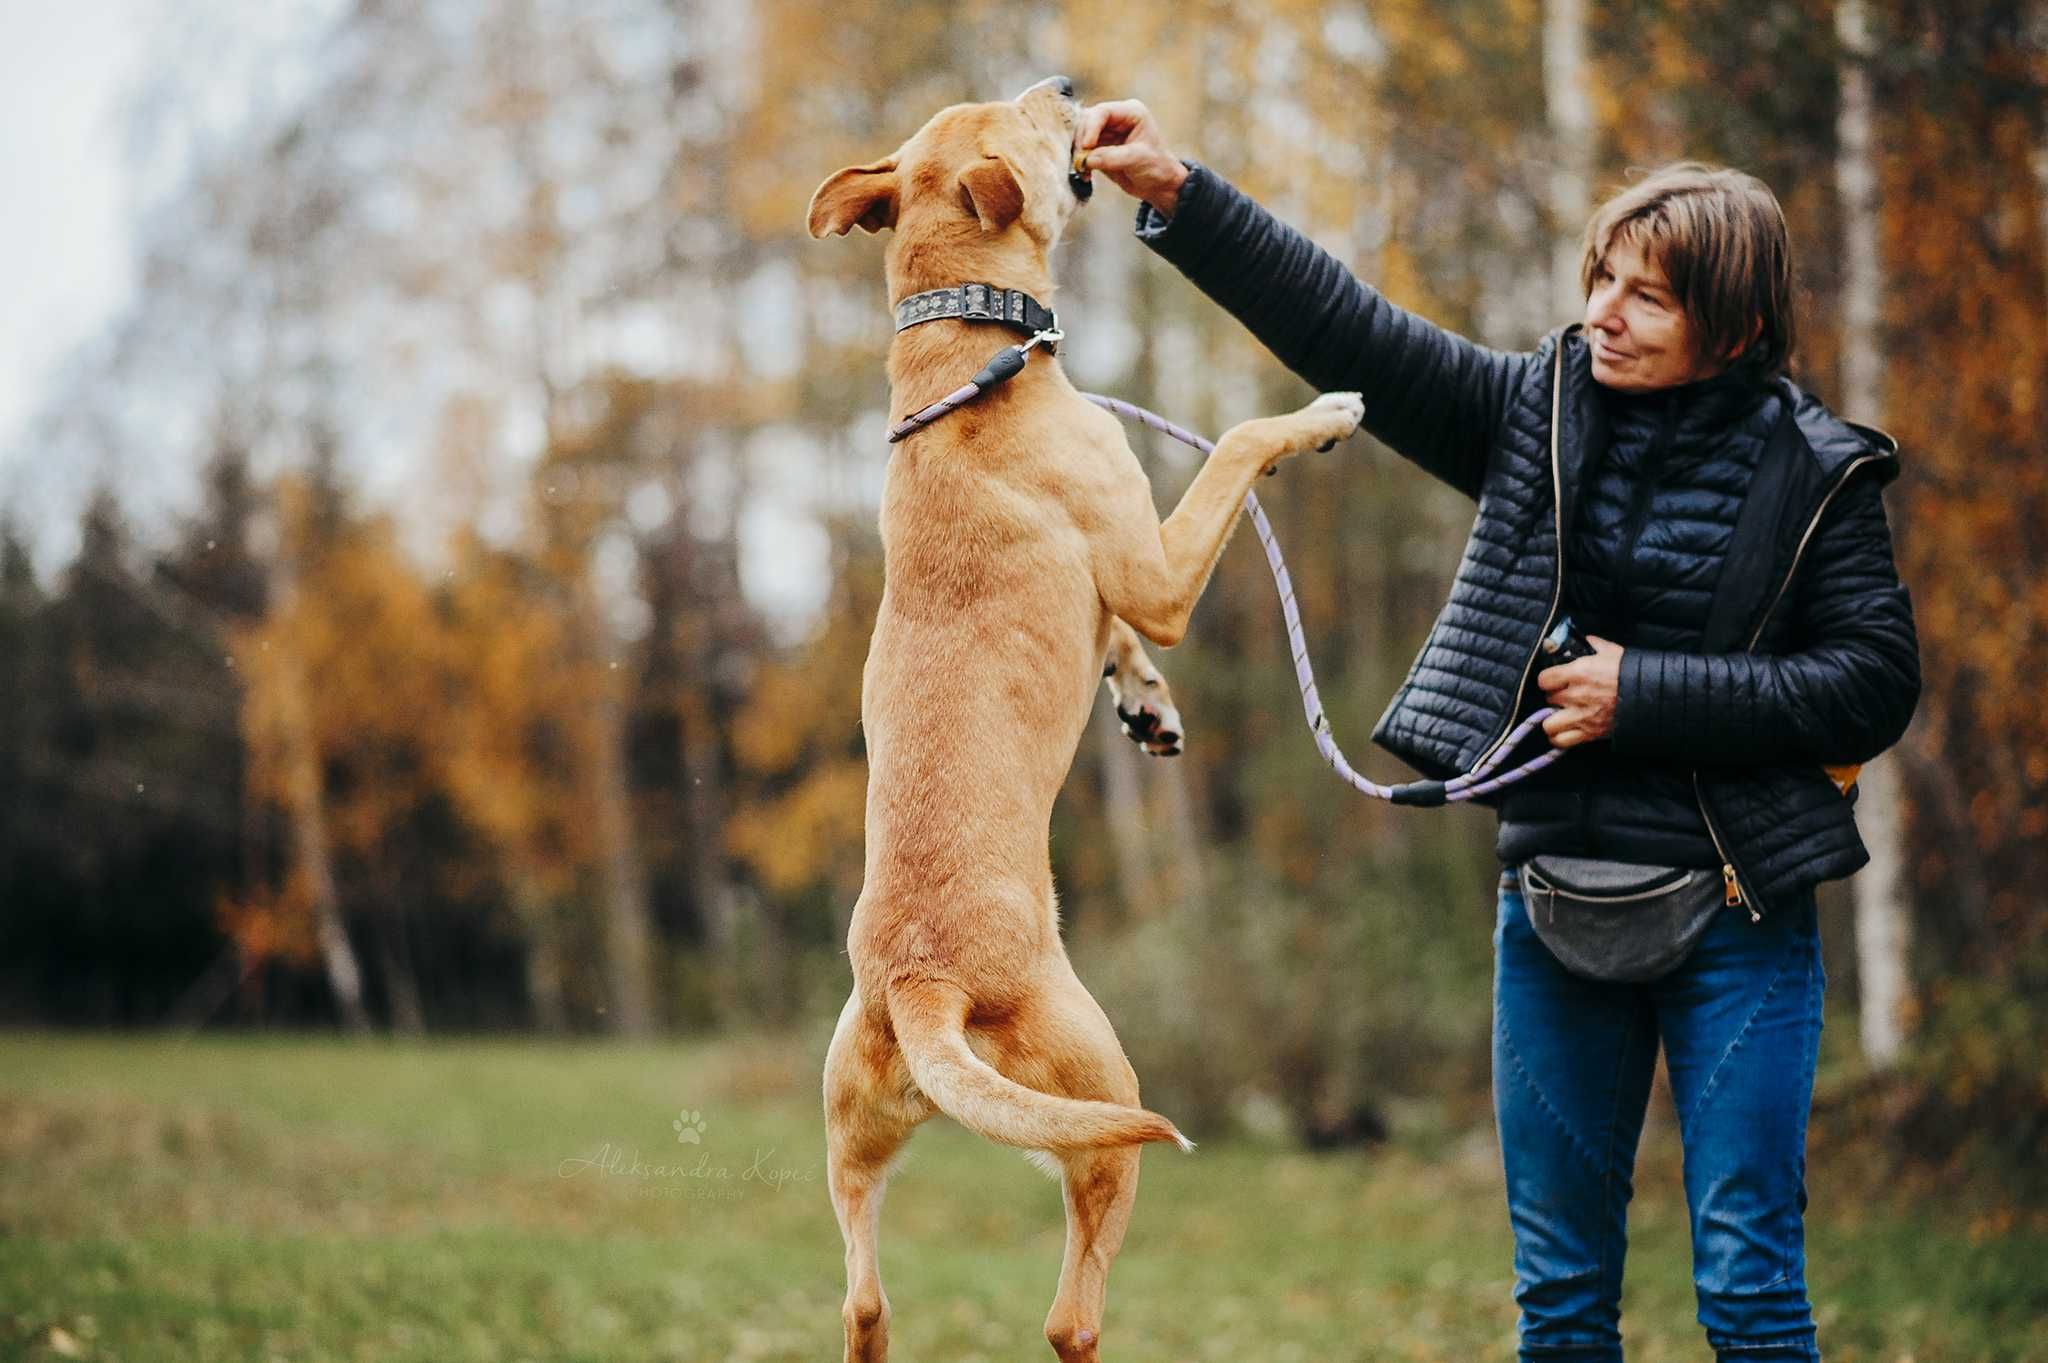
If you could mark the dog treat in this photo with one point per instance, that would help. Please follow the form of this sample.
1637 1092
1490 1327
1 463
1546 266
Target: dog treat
1080 165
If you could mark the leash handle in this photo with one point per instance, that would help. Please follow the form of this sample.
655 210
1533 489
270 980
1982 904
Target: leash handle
1421 794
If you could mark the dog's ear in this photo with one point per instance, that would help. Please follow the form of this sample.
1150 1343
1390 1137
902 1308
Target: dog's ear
858 195
991 184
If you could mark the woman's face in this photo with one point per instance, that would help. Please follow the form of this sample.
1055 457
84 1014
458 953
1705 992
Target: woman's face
1640 337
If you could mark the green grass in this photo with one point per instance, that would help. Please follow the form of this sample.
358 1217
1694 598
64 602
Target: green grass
247 1198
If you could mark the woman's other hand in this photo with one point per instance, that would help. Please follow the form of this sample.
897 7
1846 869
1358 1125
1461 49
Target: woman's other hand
1122 140
1583 691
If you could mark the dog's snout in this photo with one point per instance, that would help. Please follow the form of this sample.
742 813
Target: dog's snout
1062 86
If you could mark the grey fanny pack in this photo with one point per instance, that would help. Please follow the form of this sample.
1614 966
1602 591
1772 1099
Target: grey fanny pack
1618 920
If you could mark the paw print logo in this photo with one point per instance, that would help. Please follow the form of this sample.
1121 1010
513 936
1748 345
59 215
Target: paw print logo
689 1127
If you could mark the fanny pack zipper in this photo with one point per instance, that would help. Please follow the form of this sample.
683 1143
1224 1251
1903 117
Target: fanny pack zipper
1536 877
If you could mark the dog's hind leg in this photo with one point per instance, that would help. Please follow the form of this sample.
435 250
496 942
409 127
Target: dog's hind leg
867 1120
1097 1185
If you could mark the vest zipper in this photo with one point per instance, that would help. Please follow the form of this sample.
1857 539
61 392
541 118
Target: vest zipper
1557 591
1730 884
1728 875
1800 552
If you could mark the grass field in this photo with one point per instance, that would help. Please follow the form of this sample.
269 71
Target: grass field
249 1198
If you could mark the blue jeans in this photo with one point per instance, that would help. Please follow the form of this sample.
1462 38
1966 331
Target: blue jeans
1740 1022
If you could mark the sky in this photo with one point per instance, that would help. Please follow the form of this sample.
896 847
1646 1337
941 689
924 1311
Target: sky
64 234
72 186
72 189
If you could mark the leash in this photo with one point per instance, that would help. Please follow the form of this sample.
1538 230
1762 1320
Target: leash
1008 362
1004 365
1423 794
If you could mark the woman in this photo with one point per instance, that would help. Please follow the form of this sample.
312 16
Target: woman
1719 538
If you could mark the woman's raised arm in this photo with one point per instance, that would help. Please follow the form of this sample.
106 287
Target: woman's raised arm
1430 394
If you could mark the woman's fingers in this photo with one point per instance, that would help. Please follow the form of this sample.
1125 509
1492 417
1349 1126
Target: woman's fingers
1089 131
1119 159
1111 122
1562 728
1122 139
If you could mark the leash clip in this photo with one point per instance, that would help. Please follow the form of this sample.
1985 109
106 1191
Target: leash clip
1050 337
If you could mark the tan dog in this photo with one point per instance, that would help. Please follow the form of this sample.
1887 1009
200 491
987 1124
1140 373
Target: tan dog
1020 536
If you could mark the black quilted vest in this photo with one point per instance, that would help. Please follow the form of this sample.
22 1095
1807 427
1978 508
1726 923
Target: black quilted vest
1779 829
1664 485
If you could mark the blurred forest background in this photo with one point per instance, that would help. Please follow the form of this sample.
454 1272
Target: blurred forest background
437 602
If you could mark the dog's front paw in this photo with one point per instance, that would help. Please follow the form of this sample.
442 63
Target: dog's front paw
1156 729
1143 704
1342 413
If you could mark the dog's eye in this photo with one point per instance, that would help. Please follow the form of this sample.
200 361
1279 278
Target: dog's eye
1109 669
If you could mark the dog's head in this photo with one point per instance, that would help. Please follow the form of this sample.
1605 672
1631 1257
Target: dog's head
983 173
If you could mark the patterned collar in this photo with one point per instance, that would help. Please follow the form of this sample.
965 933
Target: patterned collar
979 303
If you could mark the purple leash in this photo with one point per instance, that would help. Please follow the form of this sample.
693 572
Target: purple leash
959 397
1424 793
1006 364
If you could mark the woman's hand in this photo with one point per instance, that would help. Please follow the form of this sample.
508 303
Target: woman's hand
1123 141
1583 691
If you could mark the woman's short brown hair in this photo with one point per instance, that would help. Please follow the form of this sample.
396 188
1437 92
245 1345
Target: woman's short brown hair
1719 236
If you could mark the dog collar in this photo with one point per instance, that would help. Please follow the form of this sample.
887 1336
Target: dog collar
981 303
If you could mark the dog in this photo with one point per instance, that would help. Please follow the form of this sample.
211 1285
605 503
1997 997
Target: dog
1023 553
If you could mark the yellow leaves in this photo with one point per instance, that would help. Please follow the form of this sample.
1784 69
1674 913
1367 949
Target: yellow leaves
801 795
770 733
794 841
1402 282
1407 26
365 633
1963 247
520 720
399 700
270 925
795 133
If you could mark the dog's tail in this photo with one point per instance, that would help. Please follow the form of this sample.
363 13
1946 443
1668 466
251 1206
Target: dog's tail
930 1020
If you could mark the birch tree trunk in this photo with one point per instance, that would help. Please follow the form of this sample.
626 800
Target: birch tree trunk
312 859
1571 131
1883 925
